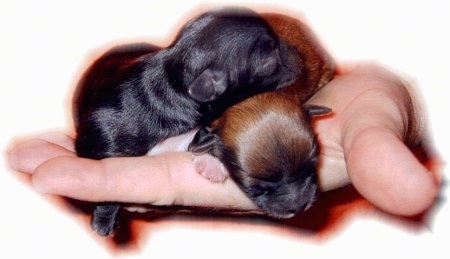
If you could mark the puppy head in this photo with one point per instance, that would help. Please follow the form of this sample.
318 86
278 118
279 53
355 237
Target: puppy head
232 54
276 154
282 183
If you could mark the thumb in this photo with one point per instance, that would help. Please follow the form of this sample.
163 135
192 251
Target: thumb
388 174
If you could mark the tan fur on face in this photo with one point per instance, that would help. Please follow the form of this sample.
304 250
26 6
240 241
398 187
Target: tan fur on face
255 132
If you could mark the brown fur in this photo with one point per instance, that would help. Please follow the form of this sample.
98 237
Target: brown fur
318 65
253 126
266 142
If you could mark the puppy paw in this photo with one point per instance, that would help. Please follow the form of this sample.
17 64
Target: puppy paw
105 220
210 168
204 141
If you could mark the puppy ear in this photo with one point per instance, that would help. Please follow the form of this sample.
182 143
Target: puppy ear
209 85
316 110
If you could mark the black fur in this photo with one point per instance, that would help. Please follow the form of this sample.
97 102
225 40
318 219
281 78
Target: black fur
134 97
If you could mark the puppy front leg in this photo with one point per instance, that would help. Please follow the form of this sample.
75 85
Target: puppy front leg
94 145
105 219
205 141
205 144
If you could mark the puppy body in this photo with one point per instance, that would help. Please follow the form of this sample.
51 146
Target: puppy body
266 142
132 99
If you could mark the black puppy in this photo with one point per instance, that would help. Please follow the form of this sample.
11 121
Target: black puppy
218 59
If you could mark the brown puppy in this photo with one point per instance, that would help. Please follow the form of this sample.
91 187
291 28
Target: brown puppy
266 142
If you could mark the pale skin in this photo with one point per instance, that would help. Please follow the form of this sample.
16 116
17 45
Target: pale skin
362 143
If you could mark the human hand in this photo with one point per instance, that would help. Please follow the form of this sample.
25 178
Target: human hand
169 178
377 122
365 142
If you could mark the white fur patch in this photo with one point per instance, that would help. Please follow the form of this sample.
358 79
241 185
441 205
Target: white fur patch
174 144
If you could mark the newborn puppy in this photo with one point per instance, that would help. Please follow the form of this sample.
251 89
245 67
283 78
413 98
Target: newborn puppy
266 142
218 58
269 149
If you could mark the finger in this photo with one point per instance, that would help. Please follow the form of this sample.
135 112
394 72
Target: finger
26 156
58 138
165 179
385 172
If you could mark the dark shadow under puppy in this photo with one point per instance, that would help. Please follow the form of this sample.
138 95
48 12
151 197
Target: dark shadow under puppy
132 99
266 142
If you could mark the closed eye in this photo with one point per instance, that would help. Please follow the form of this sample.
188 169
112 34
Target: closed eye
263 189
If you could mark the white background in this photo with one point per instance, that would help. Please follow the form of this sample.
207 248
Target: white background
44 45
